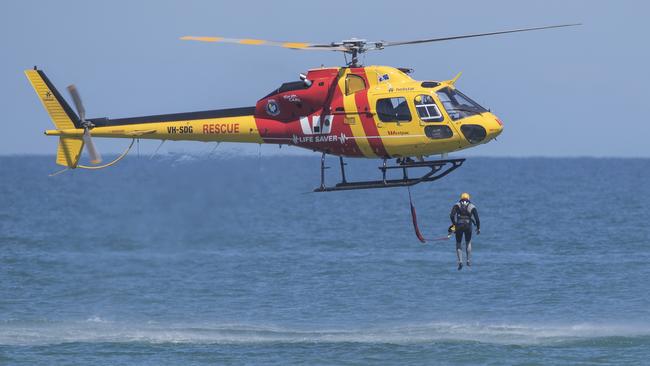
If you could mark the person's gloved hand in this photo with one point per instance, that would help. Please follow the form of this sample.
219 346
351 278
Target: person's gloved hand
478 231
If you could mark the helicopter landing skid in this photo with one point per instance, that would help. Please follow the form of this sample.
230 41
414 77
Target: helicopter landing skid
438 169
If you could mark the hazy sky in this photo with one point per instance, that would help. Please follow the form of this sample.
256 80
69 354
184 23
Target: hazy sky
568 92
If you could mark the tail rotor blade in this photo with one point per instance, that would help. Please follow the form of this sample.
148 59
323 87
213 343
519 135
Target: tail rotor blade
76 98
95 158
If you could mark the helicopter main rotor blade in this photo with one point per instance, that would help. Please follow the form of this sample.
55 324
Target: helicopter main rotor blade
261 42
354 47
401 43
76 98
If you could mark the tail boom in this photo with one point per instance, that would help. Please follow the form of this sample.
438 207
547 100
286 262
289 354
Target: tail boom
228 129
224 125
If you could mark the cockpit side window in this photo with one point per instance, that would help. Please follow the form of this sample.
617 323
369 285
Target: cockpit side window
353 84
393 110
427 108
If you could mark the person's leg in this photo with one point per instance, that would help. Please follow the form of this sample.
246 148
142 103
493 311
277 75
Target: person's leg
468 246
459 248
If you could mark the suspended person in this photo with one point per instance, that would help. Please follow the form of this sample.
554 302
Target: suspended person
463 215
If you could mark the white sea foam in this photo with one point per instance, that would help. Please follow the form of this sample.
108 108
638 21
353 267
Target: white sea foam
96 330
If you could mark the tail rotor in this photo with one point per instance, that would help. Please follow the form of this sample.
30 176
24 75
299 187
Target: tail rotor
94 155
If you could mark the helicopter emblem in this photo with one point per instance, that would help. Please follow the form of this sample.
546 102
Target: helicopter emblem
272 108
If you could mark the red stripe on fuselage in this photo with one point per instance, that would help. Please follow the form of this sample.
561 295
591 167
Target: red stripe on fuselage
350 148
316 103
367 121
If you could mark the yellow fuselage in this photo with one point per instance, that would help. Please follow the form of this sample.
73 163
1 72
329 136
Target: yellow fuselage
372 112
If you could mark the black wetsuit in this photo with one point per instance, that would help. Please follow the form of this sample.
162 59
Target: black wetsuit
463 214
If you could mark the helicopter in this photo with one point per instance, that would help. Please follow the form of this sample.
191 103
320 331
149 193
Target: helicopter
350 111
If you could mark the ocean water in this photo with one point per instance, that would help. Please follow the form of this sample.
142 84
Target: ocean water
184 260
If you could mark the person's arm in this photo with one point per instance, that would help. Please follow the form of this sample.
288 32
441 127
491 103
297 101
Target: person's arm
476 220
452 215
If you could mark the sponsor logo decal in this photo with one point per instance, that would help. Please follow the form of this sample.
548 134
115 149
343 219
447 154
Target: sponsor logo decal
342 138
397 133
383 77
292 98
316 129
316 125
390 90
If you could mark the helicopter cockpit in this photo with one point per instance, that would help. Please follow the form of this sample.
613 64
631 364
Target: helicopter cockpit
457 104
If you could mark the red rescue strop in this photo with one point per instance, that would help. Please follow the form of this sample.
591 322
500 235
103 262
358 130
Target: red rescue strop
414 216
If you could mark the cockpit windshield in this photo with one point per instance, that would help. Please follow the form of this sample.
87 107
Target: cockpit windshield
458 105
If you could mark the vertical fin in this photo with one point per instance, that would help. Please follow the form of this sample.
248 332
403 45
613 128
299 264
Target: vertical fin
69 151
60 112
62 116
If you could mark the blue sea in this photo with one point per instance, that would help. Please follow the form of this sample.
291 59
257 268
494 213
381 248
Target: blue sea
197 260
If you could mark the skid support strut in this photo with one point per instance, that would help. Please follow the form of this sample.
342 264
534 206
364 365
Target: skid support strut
322 173
343 180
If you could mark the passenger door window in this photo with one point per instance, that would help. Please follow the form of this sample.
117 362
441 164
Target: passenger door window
353 84
393 110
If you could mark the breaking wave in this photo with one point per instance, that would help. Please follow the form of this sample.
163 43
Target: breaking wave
97 330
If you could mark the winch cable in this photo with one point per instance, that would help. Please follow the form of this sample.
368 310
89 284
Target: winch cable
414 217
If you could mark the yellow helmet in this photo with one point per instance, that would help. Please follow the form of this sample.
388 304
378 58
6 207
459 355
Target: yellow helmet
464 196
